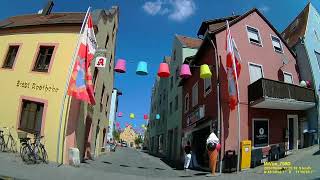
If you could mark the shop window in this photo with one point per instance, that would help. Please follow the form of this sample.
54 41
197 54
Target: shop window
11 56
195 94
31 116
43 59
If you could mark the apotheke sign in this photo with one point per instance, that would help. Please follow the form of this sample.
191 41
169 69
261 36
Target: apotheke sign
37 86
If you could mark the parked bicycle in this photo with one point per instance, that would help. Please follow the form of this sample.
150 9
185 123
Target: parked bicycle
33 152
10 145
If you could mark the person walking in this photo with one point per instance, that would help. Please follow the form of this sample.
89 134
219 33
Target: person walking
187 158
213 147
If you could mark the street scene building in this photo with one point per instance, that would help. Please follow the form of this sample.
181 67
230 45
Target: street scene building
37 52
180 89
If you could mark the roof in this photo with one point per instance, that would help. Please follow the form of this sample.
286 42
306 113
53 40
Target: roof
39 19
213 24
231 23
61 18
297 28
189 41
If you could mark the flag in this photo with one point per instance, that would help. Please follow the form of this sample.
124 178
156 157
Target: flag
233 68
80 85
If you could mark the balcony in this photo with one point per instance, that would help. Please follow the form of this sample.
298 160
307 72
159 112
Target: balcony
196 115
270 94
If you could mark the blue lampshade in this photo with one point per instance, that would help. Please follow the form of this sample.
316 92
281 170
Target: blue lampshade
158 116
142 68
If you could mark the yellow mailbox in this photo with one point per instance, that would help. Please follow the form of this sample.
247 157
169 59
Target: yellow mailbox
245 154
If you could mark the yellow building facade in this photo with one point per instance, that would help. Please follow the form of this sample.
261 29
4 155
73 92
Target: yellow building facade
129 135
36 52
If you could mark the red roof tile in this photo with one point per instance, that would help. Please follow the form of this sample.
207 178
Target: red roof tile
189 42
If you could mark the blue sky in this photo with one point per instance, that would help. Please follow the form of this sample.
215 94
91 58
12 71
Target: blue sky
147 28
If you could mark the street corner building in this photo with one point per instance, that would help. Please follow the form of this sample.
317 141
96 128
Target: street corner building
128 135
37 51
273 106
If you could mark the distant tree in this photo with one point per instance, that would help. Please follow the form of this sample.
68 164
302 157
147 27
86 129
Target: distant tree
138 140
116 135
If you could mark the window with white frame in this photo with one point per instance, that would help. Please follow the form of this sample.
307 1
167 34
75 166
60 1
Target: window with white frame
276 43
255 71
287 78
207 86
186 103
253 35
195 94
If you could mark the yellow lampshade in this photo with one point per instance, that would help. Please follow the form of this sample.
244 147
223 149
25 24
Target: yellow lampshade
205 71
131 116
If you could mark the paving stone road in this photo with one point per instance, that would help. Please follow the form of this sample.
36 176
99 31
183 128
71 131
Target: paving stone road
130 164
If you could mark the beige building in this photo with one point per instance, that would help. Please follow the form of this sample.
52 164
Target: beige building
128 135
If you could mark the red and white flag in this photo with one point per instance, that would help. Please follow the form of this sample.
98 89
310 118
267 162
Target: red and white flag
233 69
80 85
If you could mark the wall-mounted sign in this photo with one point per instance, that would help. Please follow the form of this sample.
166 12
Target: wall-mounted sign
37 86
261 133
101 61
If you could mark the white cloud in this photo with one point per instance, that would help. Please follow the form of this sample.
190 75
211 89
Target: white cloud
182 9
152 8
264 8
178 10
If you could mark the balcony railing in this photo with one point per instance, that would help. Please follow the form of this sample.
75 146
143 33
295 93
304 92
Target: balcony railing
266 88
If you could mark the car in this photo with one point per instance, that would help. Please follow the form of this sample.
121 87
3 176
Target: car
124 144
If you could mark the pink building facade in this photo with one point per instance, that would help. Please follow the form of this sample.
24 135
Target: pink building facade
272 104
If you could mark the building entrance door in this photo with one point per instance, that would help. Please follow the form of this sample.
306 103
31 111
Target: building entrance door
292 132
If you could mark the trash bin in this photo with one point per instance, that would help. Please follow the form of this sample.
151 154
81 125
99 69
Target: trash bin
245 154
230 161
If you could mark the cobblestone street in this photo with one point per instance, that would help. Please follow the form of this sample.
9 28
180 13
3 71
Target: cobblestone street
127 163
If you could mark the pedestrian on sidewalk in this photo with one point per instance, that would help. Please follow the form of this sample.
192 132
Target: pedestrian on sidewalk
187 158
213 147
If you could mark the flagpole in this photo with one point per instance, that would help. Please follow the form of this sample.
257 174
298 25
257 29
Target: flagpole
238 106
65 91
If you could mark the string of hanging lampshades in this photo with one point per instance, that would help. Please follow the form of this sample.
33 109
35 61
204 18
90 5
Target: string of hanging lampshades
163 71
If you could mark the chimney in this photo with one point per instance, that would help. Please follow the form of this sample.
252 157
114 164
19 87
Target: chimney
47 9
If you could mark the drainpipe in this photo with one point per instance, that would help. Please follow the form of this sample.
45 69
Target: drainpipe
218 101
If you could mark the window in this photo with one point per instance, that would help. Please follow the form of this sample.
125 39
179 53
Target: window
174 55
288 78
255 72
253 35
110 63
171 107
294 25
108 101
316 34
318 58
276 43
11 56
94 79
177 74
260 132
43 58
186 103
107 41
160 99
207 86
176 103
102 97
31 116
113 30
195 94
171 82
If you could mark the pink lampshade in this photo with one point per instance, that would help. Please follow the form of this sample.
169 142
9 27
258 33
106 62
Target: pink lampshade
185 71
163 71
120 114
120 66
145 117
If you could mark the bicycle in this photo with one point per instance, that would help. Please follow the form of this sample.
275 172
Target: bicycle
33 152
11 144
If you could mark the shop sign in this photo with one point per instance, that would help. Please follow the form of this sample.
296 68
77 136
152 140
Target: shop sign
261 133
44 87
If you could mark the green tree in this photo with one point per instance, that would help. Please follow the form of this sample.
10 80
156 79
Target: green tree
116 135
138 140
